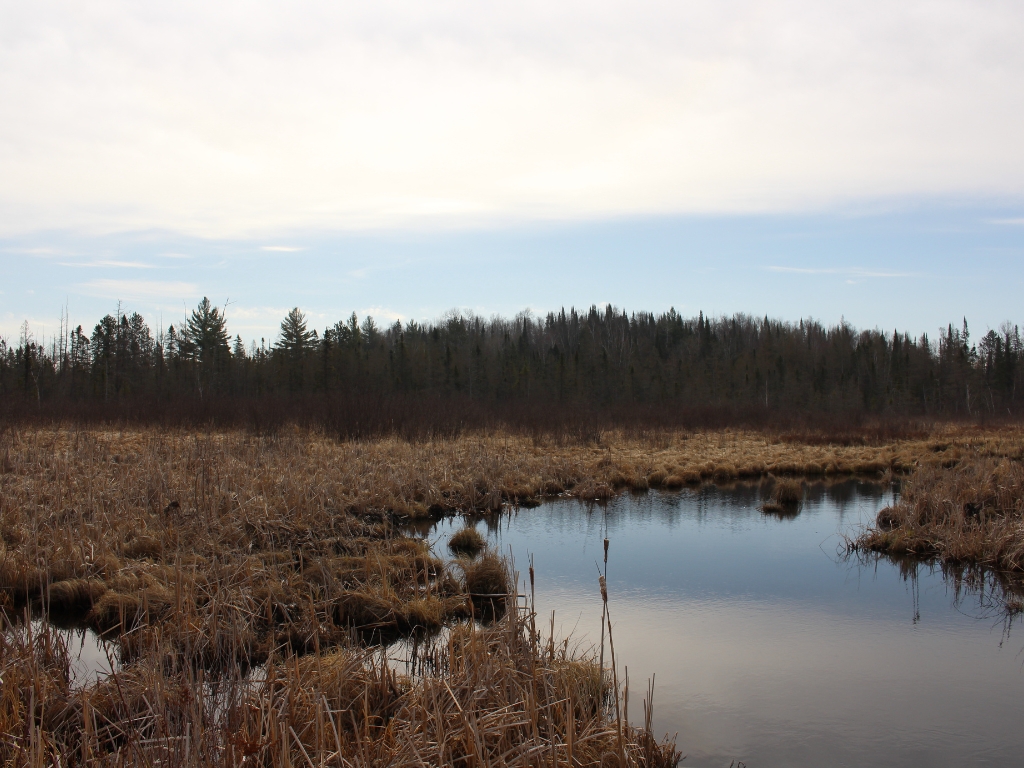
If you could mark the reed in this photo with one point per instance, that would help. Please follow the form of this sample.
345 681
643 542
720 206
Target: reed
241 582
969 509
237 577
493 696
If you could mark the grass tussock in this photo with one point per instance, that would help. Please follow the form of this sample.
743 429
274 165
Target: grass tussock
74 597
969 510
240 582
788 491
467 541
498 696
784 496
488 583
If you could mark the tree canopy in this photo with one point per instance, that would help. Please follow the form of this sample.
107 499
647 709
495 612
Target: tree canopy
604 357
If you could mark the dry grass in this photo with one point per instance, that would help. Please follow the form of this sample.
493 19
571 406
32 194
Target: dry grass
238 580
204 557
467 541
788 492
969 512
784 496
293 536
487 581
209 537
498 695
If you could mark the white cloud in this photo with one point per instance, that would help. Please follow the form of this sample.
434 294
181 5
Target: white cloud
259 313
38 252
108 263
381 313
281 248
256 321
853 272
228 119
148 290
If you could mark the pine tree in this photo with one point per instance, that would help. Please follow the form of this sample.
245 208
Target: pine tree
104 353
295 342
295 339
205 341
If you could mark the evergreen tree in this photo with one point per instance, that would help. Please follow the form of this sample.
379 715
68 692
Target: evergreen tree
294 345
602 359
104 355
205 341
295 339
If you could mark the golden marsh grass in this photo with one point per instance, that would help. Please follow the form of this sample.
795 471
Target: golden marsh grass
967 511
239 578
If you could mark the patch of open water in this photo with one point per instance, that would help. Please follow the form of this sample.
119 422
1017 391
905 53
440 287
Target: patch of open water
769 646
90 657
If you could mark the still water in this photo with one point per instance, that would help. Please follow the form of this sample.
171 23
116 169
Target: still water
769 646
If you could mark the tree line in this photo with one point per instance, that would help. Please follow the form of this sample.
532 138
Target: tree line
601 359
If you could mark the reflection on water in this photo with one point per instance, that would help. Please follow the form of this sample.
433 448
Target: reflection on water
770 645
88 656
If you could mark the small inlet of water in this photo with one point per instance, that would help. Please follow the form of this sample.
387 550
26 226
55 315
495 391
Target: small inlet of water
770 645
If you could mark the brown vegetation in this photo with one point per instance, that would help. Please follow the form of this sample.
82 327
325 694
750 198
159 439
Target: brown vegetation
784 497
487 581
466 541
209 562
234 573
967 509
495 696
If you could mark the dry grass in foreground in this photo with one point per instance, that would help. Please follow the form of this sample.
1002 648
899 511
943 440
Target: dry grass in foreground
238 580
493 696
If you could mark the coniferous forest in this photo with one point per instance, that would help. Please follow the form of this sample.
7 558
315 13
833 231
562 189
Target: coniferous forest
462 371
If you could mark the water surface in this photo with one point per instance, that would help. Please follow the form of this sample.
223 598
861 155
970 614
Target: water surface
770 647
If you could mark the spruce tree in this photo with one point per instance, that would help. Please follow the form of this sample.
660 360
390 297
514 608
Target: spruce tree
205 341
296 341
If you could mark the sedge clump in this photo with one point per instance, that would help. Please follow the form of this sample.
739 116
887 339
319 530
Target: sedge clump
467 541
488 585
785 498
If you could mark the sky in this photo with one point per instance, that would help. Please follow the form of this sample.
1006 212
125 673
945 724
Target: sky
844 160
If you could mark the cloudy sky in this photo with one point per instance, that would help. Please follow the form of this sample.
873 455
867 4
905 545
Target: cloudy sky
845 159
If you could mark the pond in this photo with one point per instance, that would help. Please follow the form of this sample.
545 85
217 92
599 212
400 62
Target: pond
769 645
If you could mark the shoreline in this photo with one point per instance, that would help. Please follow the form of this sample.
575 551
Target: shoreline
204 554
